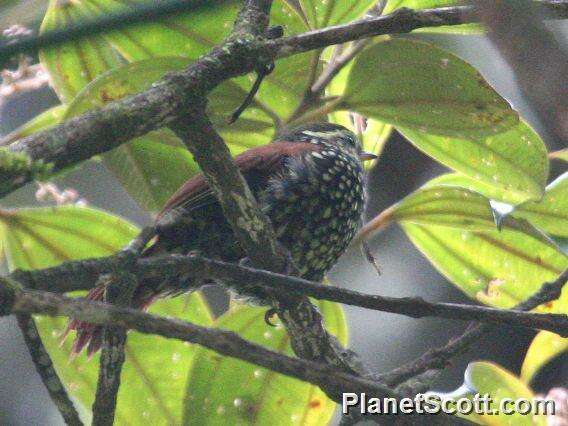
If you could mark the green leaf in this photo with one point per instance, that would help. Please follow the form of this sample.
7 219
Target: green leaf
447 206
548 214
485 189
71 66
498 268
153 166
551 213
514 162
376 133
392 5
154 374
416 85
320 14
41 237
489 378
190 35
223 390
544 347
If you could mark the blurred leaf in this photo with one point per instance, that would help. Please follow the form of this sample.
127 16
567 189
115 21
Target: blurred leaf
392 5
320 13
559 155
498 268
544 347
43 121
154 374
514 162
551 213
73 65
489 378
223 390
417 85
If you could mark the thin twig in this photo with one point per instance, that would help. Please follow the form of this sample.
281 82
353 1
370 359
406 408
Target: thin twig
438 358
46 371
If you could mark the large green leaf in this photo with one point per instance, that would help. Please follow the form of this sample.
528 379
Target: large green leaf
514 162
416 85
190 35
153 377
499 268
224 391
392 5
73 65
544 347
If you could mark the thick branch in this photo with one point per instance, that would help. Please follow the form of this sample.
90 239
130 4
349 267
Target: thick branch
118 292
83 274
224 342
100 131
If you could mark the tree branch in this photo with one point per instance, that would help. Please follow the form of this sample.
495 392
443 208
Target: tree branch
81 275
46 371
16 301
118 292
104 129
438 358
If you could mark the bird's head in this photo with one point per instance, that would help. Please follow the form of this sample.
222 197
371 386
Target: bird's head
331 134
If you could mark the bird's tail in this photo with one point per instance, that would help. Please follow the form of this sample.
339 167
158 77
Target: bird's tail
90 336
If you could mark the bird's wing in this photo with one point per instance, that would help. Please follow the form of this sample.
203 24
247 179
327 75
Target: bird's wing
254 164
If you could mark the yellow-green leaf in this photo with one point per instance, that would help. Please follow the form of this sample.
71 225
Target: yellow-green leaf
422 87
498 268
153 377
223 390
513 162
489 378
544 347
551 213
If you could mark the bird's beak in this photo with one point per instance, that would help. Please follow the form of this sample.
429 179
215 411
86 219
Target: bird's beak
367 156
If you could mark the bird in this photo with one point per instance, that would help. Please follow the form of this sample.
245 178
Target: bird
310 184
